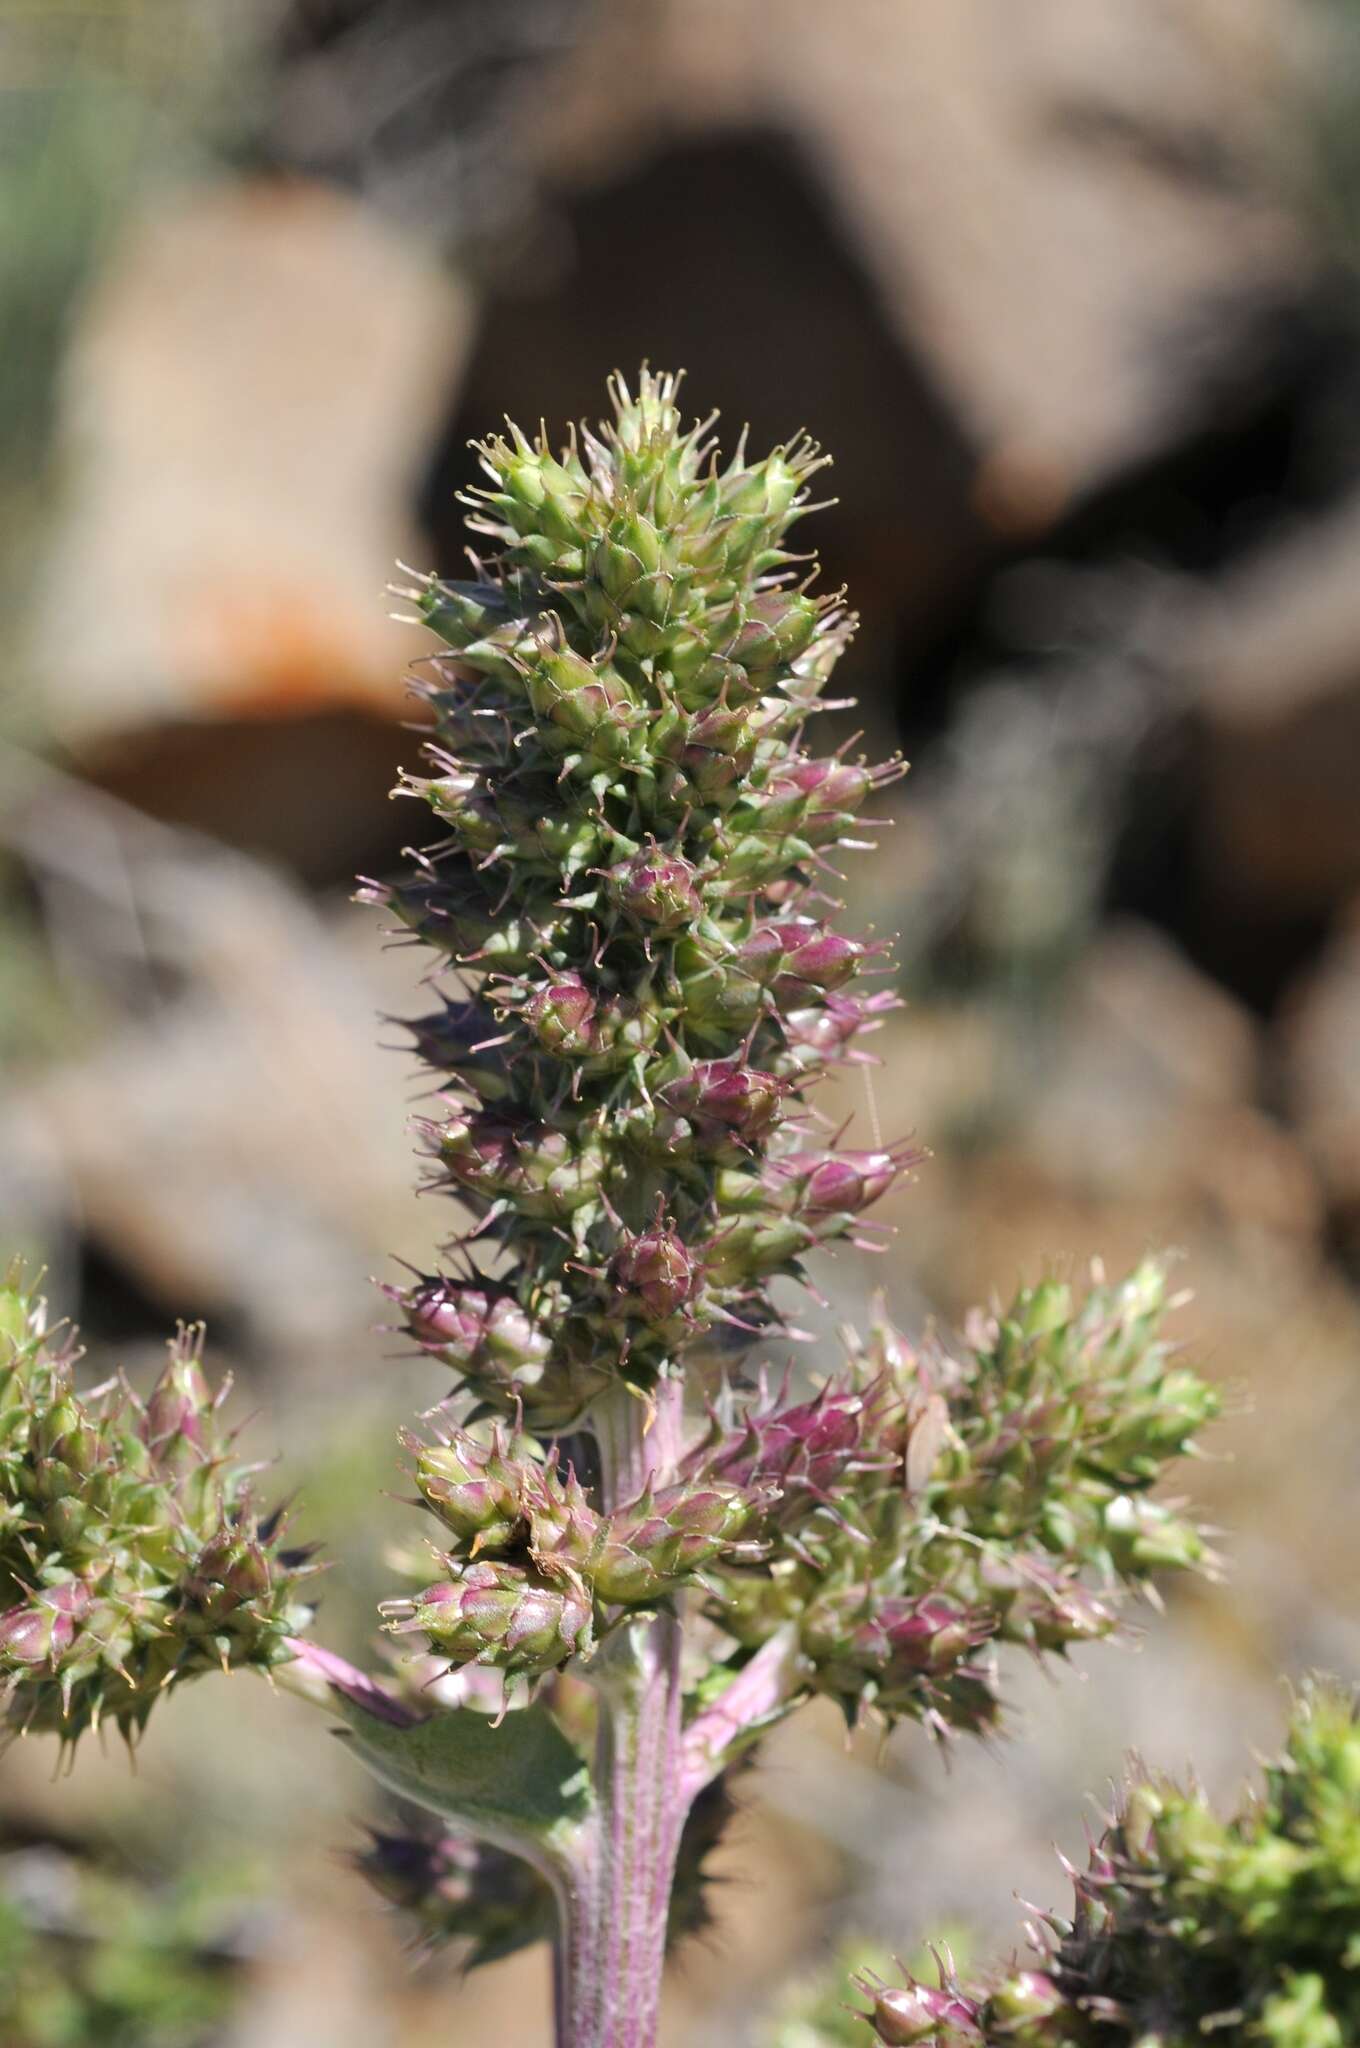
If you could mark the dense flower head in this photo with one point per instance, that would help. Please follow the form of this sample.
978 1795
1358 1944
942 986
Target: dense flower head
533 1568
1187 1927
131 1552
934 1502
629 896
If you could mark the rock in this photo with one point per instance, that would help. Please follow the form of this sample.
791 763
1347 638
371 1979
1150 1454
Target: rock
247 402
1148 1095
1321 1037
236 1140
1275 654
1048 203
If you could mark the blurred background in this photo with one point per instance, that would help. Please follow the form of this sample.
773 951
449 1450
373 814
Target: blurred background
1073 295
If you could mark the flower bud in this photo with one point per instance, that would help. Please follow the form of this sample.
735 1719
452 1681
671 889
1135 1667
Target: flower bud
656 1271
657 890
653 1546
828 785
463 612
719 748
805 1450
474 1488
725 1097
928 1634
180 1398
502 1615
821 961
67 1437
230 1571
747 1248
824 1030
777 629
1022 2004
628 565
827 1183
767 490
541 1172
41 1632
478 1331
798 955
560 1012
1142 1536
917 2012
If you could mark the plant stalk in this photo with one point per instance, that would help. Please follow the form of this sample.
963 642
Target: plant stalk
614 1903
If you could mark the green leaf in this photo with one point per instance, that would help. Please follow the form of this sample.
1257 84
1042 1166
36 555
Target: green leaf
521 1784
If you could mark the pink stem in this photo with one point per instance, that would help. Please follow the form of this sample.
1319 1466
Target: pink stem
316 1673
614 1903
753 1699
639 1438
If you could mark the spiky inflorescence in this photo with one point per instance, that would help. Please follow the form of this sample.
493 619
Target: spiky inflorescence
631 889
930 1505
1189 1928
131 1553
630 894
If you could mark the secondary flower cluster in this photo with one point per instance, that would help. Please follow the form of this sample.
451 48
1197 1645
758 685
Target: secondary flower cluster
927 1505
1186 1927
131 1554
533 1564
629 889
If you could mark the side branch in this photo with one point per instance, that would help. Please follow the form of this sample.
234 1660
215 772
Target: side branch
758 1696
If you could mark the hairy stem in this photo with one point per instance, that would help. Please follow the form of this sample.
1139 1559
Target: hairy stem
615 1903
640 1438
757 1696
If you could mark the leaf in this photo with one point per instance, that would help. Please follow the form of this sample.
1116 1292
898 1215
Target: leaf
522 1784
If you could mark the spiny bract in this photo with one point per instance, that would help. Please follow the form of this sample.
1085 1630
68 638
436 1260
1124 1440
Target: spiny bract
131 1554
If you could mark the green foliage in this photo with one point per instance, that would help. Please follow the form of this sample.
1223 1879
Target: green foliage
631 887
633 839
522 1779
1187 1927
122 1965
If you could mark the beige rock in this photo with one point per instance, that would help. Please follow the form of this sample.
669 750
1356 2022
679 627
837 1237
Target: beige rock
1322 1053
248 396
242 1141
1274 653
1148 1098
